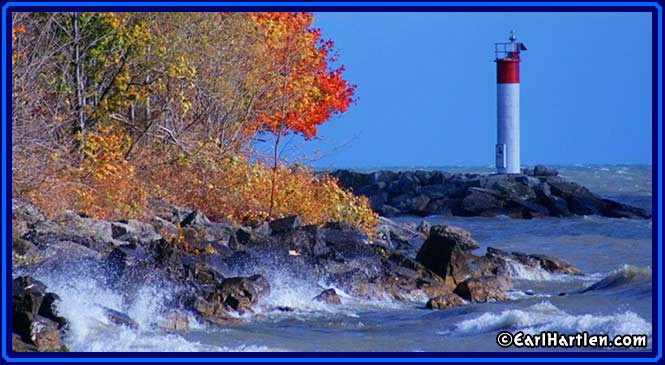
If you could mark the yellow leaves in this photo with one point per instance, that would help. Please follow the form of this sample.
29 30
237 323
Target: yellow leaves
238 190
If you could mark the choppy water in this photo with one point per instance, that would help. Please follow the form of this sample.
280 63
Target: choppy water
615 254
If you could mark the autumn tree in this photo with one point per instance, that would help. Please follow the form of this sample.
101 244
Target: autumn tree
112 110
304 91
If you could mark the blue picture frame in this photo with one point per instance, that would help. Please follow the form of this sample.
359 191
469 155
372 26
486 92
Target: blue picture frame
508 357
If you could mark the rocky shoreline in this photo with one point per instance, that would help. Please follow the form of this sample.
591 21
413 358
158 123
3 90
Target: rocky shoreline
223 272
538 192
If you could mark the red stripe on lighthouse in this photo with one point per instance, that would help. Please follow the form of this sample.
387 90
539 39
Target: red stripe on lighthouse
508 71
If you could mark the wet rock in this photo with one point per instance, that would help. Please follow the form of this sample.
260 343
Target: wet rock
484 289
176 321
45 335
382 177
376 195
22 247
453 235
400 234
87 232
168 212
525 195
408 182
214 312
541 170
424 228
527 209
241 293
27 297
164 228
491 262
34 321
18 345
285 224
412 277
204 276
194 219
419 204
444 301
304 240
555 265
481 204
351 179
47 309
444 253
134 231
251 236
119 318
388 211
614 209
334 233
283 308
328 296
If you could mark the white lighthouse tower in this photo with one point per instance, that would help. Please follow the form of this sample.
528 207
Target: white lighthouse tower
507 58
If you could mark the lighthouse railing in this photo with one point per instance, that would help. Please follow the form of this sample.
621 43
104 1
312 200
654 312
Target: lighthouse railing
505 49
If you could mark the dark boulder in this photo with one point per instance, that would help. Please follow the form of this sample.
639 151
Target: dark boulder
214 312
482 203
388 211
541 170
351 179
195 218
444 253
526 209
252 236
328 296
285 224
383 176
120 319
34 321
555 265
444 301
27 297
18 345
419 205
610 208
334 233
133 231
241 293
484 289
454 235
408 182
46 336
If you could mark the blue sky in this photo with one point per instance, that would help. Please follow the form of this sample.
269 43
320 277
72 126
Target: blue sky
427 93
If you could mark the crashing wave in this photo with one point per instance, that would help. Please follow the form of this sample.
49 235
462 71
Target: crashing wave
520 271
627 278
545 316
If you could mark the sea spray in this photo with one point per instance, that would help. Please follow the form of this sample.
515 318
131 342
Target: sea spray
545 316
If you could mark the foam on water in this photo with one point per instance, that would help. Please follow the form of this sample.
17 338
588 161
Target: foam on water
545 316
537 273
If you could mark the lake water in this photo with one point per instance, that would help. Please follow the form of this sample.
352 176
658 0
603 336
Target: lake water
617 250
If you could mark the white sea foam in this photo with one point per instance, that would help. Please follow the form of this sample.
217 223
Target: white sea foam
535 273
545 316
85 299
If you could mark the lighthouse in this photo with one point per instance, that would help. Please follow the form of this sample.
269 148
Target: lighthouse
507 58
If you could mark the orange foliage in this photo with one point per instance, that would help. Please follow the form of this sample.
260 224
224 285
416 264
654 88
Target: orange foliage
305 92
182 87
234 189
102 185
